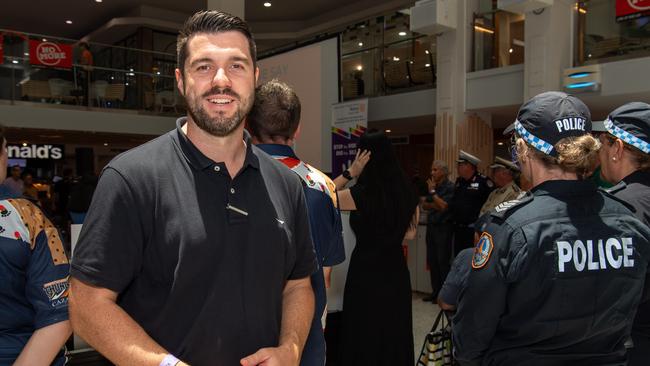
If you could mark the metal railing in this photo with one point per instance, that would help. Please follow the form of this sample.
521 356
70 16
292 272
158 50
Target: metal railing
118 78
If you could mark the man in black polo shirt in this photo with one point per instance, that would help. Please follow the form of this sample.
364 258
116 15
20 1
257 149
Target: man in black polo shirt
197 245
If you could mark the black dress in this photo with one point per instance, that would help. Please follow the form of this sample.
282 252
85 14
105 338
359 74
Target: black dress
377 321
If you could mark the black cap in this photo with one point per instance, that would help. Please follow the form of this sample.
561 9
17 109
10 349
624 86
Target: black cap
549 117
631 123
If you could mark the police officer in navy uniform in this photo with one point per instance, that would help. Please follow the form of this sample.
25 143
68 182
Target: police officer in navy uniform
471 191
557 275
625 159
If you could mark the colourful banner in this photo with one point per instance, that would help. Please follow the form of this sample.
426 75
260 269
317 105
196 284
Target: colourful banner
630 9
50 54
349 121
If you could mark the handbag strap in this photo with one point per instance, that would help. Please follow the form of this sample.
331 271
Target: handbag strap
437 321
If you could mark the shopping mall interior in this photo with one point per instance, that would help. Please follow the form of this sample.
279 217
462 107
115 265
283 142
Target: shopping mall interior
436 76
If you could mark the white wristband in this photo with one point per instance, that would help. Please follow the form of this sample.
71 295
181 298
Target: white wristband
169 360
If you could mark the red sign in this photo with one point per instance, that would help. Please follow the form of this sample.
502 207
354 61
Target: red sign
50 54
630 9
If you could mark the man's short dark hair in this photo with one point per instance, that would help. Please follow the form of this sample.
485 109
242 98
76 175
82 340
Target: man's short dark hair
275 113
211 21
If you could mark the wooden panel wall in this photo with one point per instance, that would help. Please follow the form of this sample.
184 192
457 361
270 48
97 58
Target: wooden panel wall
472 135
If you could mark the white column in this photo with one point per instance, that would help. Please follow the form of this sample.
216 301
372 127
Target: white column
234 7
549 34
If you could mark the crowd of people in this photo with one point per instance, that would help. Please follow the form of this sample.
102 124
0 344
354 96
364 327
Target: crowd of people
213 244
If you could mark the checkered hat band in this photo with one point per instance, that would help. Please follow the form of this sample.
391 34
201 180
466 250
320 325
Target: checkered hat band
533 140
627 137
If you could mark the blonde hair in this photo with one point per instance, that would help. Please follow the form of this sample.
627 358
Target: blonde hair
638 157
575 154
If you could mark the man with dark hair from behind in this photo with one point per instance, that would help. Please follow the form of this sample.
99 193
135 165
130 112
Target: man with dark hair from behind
197 244
274 123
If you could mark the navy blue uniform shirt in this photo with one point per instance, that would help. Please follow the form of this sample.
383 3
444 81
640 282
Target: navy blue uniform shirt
555 280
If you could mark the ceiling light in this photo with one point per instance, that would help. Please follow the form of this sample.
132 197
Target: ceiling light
68 22
24 144
15 61
98 1
359 67
510 50
395 58
44 39
426 51
26 54
388 131
360 44
267 4
500 143
427 65
402 34
105 143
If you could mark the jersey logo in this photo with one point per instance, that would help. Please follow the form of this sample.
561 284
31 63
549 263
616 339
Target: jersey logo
482 251
57 292
506 205
4 212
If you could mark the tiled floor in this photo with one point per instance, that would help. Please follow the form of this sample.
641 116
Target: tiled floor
424 314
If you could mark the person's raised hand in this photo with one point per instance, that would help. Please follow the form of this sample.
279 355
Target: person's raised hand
359 162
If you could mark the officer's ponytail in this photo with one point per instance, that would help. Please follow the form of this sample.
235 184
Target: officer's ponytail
576 154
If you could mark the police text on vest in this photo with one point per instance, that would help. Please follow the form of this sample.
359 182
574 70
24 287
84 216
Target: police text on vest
595 254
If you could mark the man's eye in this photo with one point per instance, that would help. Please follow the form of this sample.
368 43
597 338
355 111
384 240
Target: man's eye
203 68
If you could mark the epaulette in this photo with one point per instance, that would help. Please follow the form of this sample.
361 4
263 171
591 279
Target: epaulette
609 192
506 208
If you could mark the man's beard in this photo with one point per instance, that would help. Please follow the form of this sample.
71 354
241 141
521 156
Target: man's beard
220 125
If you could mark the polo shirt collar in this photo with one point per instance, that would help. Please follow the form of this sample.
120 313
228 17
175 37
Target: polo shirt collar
198 160
278 150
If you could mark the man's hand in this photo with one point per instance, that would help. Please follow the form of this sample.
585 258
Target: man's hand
359 162
276 356
431 184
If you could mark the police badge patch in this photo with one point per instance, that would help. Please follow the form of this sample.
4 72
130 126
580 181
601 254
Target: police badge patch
57 292
482 251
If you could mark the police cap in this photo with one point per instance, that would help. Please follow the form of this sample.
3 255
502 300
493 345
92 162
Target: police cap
465 157
631 123
549 117
502 163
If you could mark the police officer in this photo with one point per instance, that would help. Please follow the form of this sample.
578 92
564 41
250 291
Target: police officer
503 174
555 279
470 192
625 158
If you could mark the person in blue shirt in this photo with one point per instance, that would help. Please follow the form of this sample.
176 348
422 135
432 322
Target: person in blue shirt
274 124
34 288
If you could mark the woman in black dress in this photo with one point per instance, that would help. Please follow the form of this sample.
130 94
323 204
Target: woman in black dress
377 322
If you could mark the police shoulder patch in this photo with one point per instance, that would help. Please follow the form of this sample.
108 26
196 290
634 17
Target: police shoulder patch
482 251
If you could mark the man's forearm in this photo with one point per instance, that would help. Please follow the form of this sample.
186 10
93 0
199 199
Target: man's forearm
297 314
44 345
110 330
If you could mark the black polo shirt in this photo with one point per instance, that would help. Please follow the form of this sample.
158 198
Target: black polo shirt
203 280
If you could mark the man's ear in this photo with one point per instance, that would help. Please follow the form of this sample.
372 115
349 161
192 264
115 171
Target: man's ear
179 81
257 75
296 134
